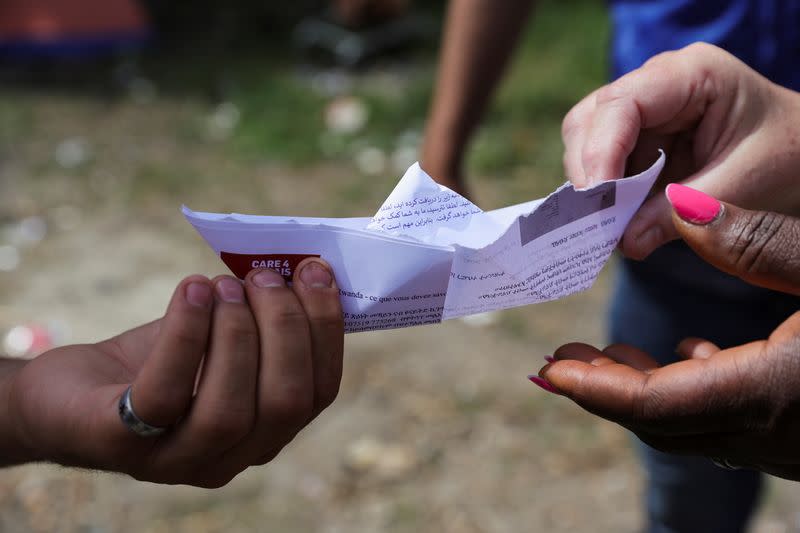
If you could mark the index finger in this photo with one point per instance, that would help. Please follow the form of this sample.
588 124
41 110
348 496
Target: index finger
668 94
689 397
163 389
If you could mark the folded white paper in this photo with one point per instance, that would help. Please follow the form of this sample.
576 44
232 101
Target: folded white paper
430 254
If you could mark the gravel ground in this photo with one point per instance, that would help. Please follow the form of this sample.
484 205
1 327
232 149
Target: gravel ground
436 428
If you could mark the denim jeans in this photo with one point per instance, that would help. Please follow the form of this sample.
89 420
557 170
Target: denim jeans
655 304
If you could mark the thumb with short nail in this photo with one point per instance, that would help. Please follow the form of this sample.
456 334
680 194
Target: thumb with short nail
650 228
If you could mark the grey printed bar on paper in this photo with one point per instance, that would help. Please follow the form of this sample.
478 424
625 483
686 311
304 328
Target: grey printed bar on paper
565 206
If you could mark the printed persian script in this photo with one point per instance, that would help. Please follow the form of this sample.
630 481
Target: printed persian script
430 254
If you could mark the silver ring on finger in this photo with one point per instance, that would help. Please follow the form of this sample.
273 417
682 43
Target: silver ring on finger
133 422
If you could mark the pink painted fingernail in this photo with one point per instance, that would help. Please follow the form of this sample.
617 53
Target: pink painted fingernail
549 358
692 205
198 294
543 383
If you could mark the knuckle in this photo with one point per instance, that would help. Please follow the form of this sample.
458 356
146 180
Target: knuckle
609 93
290 406
595 155
776 405
185 336
653 61
328 323
224 426
649 411
572 121
658 59
169 403
288 317
652 407
591 153
599 150
699 48
613 93
739 393
760 242
242 332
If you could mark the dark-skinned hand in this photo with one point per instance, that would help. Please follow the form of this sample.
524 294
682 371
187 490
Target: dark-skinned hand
234 371
740 404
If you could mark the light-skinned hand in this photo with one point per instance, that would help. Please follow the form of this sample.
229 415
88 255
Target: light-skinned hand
726 131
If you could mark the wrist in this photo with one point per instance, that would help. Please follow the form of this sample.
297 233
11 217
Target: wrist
13 449
441 158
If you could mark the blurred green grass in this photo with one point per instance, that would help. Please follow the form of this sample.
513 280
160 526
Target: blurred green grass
281 108
561 58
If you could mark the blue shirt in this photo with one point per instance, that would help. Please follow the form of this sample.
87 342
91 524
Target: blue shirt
765 34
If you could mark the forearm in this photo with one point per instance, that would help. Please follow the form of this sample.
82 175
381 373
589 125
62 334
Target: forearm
479 38
11 449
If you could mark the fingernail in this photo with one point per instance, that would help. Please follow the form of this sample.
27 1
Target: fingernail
198 294
315 275
692 205
268 278
230 291
549 358
543 384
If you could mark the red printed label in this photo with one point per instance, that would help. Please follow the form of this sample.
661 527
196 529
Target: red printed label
284 264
